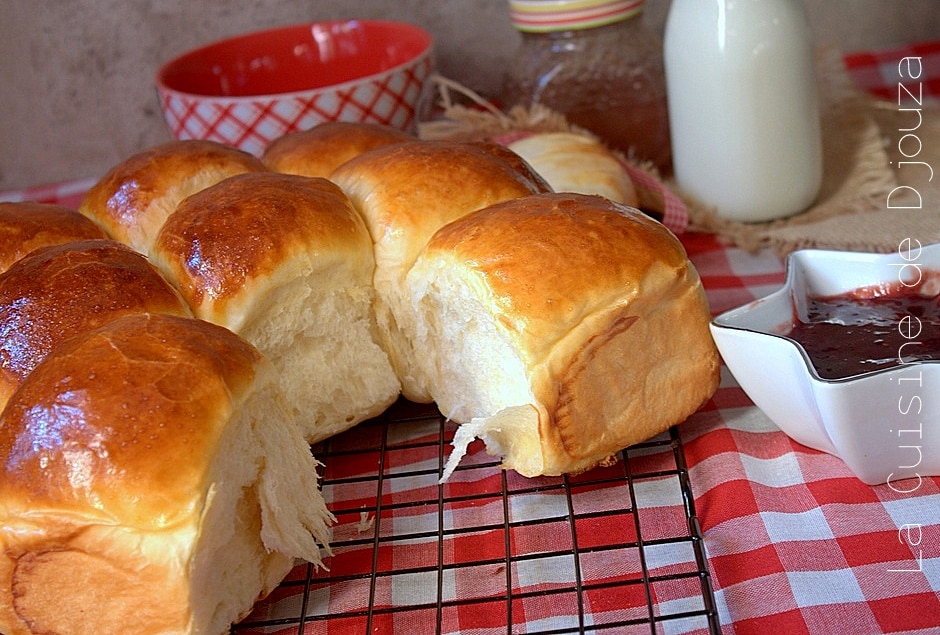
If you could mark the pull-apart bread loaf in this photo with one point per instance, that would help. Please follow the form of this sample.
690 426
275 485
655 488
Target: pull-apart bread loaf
152 482
156 470
406 192
560 328
321 149
135 197
61 290
286 262
26 225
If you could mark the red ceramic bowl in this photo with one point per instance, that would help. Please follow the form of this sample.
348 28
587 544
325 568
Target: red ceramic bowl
248 90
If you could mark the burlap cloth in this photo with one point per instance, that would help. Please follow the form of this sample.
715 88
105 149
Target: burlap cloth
870 199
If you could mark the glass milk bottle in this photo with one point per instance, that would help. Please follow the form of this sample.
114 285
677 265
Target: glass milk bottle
743 109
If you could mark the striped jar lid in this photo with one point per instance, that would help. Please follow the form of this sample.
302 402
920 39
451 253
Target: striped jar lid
539 16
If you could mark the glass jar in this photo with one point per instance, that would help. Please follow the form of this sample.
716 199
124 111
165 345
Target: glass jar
595 62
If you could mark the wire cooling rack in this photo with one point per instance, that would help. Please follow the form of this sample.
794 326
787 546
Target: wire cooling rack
617 549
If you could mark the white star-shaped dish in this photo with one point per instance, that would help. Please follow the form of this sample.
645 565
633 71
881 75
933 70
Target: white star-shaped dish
884 424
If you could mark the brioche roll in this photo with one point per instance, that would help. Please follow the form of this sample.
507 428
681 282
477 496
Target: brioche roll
135 197
560 328
323 148
152 482
56 292
286 262
25 226
406 192
576 163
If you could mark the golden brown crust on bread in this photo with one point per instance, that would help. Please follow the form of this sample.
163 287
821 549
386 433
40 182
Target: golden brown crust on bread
286 262
149 484
145 448
596 303
573 162
224 239
135 197
579 253
25 226
43 609
412 189
58 291
130 418
323 148
406 192
516 161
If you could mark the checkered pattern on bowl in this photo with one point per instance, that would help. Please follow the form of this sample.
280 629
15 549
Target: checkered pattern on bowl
251 123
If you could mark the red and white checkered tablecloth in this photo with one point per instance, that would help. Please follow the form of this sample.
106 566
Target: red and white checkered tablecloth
794 543
899 74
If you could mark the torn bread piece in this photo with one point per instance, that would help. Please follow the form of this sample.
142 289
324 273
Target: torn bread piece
561 328
153 481
286 262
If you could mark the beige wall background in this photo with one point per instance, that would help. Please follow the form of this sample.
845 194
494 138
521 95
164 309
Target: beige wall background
76 89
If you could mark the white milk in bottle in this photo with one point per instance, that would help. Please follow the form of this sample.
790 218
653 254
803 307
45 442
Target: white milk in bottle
743 109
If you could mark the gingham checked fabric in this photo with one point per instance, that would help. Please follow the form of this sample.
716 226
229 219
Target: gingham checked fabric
900 74
795 544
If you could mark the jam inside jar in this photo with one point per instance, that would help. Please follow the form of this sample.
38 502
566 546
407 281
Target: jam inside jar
869 329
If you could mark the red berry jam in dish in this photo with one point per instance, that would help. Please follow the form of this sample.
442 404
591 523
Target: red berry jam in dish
869 329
